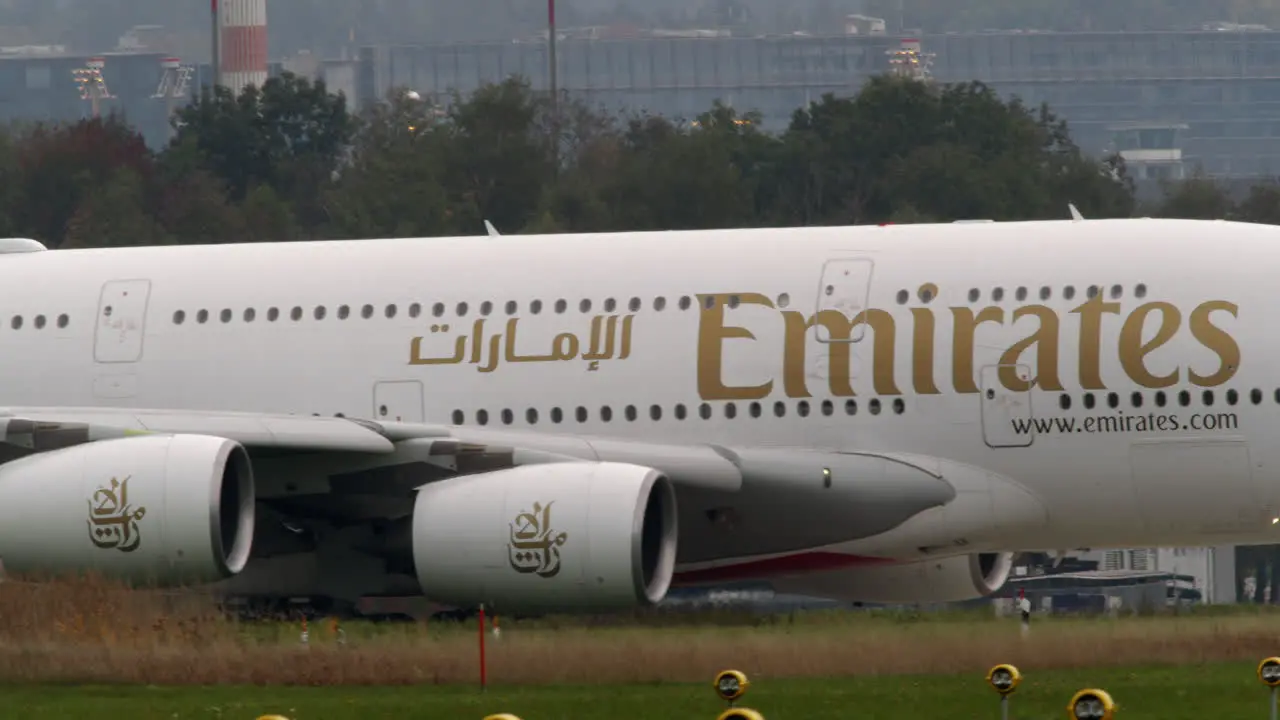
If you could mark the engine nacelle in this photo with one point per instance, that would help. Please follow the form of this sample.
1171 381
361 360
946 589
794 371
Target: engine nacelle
557 537
161 509
951 579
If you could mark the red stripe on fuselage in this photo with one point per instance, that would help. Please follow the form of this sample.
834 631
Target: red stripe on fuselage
772 567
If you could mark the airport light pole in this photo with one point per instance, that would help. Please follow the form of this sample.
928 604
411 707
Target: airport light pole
551 50
217 49
552 74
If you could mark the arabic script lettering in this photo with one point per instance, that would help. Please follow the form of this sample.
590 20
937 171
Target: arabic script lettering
113 522
535 547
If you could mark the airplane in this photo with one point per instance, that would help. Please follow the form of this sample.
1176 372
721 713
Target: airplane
579 423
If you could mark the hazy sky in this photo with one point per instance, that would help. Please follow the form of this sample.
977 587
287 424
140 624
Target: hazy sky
324 26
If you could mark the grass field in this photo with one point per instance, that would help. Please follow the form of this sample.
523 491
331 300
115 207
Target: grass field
93 649
1226 691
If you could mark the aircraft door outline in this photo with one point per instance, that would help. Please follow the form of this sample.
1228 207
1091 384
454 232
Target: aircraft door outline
398 401
1003 409
845 286
120 329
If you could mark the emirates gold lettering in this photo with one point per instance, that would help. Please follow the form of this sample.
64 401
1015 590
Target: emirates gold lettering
1030 336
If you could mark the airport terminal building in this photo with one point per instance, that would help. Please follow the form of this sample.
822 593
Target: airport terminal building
1168 100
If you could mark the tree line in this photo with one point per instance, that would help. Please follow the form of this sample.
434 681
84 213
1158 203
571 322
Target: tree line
289 161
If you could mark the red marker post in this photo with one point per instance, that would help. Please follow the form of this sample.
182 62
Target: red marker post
483 679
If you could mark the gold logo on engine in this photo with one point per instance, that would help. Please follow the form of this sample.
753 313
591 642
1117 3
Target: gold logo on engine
534 547
113 523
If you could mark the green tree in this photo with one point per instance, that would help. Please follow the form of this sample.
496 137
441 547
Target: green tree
1196 198
949 152
114 214
59 166
497 154
292 134
393 184
1262 204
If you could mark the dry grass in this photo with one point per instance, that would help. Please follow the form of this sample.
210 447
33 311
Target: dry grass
97 632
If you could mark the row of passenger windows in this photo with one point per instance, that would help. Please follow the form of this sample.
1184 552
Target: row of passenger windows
486 308
1161 399
804 408
39 322
926 294
929 291
631 413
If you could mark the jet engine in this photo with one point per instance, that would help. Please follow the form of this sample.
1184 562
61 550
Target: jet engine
950 579
555 537
157 509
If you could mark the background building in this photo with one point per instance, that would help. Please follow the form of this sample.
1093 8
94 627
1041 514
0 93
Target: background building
1168 101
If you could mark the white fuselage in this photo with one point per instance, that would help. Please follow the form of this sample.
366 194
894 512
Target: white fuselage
389 330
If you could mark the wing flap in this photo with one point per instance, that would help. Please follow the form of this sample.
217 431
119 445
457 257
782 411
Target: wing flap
287 432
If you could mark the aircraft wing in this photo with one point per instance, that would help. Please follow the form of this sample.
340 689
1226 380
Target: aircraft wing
733 501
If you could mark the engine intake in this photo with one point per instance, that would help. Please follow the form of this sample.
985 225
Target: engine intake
162 509
563 537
